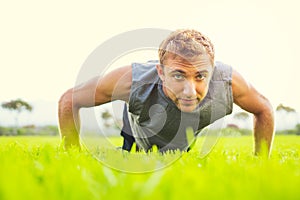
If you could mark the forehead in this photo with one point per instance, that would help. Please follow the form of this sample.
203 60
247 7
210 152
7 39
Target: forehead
200 63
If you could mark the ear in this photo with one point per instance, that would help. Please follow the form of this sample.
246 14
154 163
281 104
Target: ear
160 72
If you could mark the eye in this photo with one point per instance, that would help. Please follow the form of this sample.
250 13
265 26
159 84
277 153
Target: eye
178 76
201 77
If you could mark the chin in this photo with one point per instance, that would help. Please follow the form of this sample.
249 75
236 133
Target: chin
187 108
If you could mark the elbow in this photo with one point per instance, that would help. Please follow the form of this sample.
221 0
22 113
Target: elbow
66 101
266 110
269 108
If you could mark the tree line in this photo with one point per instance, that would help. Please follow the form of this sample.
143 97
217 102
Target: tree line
18 106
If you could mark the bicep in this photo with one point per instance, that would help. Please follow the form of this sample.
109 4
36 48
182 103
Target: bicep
99 90
246 96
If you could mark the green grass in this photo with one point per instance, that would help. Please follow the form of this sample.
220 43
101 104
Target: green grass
37 168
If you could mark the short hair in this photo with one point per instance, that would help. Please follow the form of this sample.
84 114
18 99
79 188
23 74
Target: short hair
187 44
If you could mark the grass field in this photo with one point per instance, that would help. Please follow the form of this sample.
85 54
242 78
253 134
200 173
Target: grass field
37 168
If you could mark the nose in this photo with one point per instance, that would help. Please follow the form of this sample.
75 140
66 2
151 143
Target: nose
189 89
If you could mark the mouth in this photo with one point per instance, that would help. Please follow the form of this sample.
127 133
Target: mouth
188 102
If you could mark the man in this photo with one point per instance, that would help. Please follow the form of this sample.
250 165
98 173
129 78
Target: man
185 88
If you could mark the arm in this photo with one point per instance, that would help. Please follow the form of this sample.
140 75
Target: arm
249 99
99 90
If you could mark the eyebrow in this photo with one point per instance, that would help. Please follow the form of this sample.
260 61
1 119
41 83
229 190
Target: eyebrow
178 70
183 72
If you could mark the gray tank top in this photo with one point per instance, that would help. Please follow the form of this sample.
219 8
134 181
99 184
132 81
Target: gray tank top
156 120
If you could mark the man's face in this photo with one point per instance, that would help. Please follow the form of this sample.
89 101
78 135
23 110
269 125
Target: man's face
186 83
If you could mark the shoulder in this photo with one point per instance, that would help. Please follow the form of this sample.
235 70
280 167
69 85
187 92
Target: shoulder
116 84
144 73
246 96
143 67
240 87
222 72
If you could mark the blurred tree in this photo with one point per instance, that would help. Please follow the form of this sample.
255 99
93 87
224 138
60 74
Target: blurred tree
241 115
106 116
17 106
285 108
286 117
243 119
297 129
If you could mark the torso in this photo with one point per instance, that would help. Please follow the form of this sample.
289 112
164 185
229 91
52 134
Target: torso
156 120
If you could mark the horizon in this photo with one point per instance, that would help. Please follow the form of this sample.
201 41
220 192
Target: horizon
283 120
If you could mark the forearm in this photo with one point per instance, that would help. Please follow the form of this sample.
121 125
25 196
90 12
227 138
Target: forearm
263 132
69 122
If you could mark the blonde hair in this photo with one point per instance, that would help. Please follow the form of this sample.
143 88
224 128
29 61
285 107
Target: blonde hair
187 44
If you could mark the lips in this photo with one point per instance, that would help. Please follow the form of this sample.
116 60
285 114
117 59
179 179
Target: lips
188 101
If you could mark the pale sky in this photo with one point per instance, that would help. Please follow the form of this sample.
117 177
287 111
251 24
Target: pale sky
44 44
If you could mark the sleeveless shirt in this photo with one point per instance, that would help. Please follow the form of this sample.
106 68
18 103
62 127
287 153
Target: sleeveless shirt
155 119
